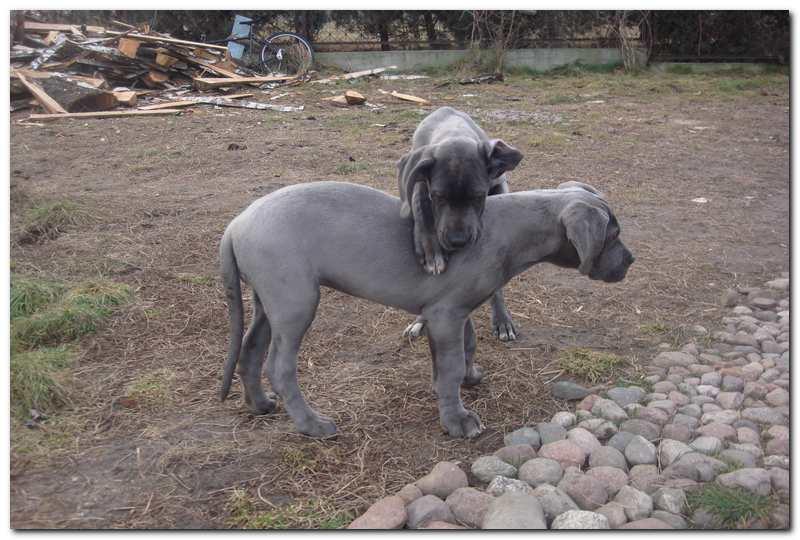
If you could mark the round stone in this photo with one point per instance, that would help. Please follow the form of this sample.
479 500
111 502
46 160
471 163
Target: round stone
612 478
615 514
514 511
580 519
444 478
469 505
707 445
607 456
648 430
646 524
568 391
671 500
756 481
566 452
777 397
587 492
724 432
584 440
623 396
386 513
730 400
738 458
551 432
637 504
621 440
409 493
678 432
564 419
540 471
645 478
609 410
640 451
501 485
763 415
553 500
516 454
711 378
485 468
426 509
670 450
526 435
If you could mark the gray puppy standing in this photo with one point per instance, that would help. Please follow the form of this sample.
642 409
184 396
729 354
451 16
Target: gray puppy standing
288 244
444 181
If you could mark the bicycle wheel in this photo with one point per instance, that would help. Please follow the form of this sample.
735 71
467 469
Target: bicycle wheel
286 53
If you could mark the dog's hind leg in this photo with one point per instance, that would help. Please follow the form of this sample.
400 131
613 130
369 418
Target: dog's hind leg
251 359
296 306
474 373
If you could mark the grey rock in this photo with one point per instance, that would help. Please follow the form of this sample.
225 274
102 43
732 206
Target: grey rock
752 449
469 505
623 396
514 511
763 302
777 461
777 432
748 435
553 500
614 513
551 432
485 468
564 419
517 454
711 378
605 430
568 391
612 478
428 508
673 358
707 445
566 452
754 480
670 450
501 485
580 519
678 432
778 447
664 387
732 384
526 435
738 458
763 415
621 440
781 481
691 409
703 519
640 451
645 478
673 520
648 430
654 415
444 478
777 397
608 456
724 432
779 284
587 492
637 504
409 493
730 400
583 439
671 500
581 415
386 513
695 466
540 471
725 416
755 390
678 399
609 410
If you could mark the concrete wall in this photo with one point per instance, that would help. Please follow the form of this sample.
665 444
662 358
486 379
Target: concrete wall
710 67
538 59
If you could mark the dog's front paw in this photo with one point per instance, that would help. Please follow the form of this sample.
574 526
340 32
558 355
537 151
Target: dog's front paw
464 424
435 263
474 376
318 427
415 330
503 328
263 404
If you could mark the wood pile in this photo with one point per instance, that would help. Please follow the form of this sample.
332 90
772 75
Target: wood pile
73 70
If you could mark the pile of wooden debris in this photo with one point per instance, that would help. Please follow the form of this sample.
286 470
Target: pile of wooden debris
91 71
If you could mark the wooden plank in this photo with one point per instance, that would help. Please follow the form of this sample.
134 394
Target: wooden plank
102 114
44 28
95 82
356 74
413 99
144 37
354 98
165 60
155 78
186 103
128 46
126 97
212 67
51 37
206 83
41 96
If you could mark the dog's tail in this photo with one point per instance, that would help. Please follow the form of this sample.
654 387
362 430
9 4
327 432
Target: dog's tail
233 294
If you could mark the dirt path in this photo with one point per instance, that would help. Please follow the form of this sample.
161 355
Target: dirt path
161 191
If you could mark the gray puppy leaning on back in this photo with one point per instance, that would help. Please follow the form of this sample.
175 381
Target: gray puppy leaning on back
444 181
351 238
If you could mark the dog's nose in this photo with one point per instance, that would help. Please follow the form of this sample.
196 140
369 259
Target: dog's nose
457 239
630 258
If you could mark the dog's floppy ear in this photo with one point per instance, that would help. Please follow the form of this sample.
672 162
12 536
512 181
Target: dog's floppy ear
582 185
412 168
501 157
586 229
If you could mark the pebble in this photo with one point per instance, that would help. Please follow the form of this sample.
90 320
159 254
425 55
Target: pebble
695 466
485 468
514 511
623 396
608 456
637 504
386 513
538 471
648 430
568 391
720 431
640 451
707 445
777 461
588 492
526 435
614 513
777 397
553 500
747 435
516 454
732 384
584 440
587 403
730 400
609 410
613 478
738 458
673 520
501 485
580 519
691 409
671 500
645 478
444 478
564 419
469 505
678 432
778 447
763 415
755 480
428 508
678 399
550 432
409 493
725 416
673 358
670 450
712 378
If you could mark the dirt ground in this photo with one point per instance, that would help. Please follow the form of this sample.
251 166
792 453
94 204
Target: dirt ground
161 190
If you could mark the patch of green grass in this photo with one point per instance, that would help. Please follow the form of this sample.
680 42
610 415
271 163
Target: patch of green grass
297 460
244 514
35 379
558 99
733 508
590 365
738 85
75 314
635 379
47 221
679 69
195 279
31 294
351 167
153 389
